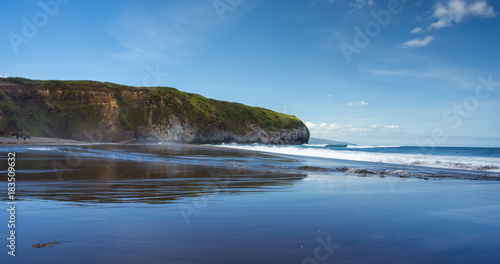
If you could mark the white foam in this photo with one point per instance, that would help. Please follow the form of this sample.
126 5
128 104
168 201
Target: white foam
362 147
43 148
452 162
315 145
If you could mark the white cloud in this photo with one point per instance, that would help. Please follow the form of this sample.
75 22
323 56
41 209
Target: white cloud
358 103
448 12
346 130
336 129
361 3
455 11
416 30
418 42
329 95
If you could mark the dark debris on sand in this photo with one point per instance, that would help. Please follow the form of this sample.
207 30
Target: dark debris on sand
49 244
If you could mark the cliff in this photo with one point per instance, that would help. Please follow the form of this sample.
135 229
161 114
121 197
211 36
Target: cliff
108 112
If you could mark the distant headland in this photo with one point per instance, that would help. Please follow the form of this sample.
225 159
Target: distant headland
108 112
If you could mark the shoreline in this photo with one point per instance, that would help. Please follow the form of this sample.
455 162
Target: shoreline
10 141
305 165
210 204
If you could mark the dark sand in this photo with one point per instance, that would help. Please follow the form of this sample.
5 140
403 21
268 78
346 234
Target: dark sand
119 210
11 141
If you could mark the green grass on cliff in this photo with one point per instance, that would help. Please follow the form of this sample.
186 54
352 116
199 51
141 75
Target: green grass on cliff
51 116
233 116
74 111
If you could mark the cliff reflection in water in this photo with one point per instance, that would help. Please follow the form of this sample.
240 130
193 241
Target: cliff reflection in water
109 181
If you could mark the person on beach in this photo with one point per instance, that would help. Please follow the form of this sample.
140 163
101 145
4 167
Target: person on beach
16 137
24 137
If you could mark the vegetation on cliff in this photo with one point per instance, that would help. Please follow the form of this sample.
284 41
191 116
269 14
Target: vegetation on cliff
70 108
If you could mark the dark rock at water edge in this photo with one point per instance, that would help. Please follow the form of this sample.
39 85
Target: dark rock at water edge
356 170
108 112
313 168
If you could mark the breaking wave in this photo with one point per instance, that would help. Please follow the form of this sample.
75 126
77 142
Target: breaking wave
369 154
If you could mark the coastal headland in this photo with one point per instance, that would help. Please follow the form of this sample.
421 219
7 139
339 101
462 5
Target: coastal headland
106 112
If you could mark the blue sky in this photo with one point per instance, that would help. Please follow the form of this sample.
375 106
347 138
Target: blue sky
364 71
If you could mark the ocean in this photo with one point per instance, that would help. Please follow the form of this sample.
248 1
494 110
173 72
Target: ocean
172 203
460 158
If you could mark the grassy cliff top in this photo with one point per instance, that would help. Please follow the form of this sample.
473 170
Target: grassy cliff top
202 111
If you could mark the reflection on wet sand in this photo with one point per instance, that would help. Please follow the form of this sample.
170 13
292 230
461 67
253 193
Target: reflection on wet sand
111 181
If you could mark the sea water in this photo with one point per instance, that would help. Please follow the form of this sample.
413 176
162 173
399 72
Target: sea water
462 158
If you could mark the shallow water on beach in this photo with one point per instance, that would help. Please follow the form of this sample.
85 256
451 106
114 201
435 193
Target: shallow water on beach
199 204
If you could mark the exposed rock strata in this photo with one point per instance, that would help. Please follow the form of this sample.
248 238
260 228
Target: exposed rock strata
106 112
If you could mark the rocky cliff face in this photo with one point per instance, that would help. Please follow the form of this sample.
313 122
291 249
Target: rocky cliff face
106 112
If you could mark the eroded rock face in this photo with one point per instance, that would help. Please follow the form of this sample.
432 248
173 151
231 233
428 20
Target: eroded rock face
174 130
104 112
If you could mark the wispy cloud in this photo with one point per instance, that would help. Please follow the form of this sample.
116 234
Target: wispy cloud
337 128
417 42
361 3
232 88
390 73
166 33
416 30
333 129
356 3
316 2
456 11
358 103
458 76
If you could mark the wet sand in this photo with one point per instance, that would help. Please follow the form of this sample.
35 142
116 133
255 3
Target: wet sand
10 141
118 210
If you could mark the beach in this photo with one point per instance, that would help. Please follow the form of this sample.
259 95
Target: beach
9 141
230 131
169 203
